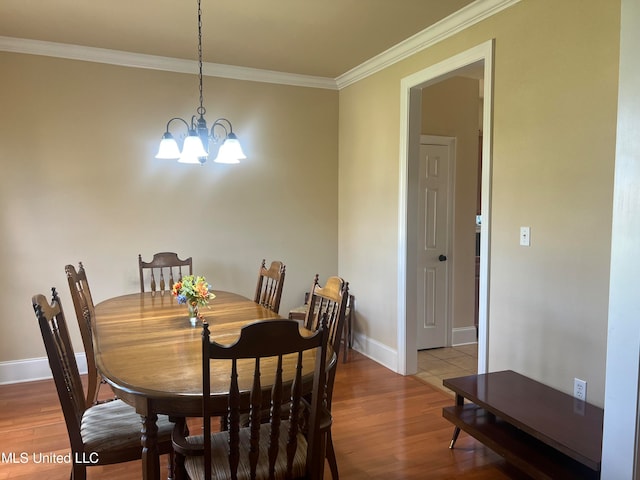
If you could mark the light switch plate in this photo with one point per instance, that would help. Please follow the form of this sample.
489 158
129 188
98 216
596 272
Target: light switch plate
525 236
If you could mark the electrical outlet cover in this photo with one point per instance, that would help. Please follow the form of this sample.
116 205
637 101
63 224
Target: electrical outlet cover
580 389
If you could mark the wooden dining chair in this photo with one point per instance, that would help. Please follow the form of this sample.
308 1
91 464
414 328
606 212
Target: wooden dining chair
84 307
330 303
269 287
279 448
163 265
100 434
300 313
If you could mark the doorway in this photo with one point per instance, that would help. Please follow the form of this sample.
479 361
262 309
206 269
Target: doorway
411 100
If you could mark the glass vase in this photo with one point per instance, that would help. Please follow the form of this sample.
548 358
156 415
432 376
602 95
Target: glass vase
193 315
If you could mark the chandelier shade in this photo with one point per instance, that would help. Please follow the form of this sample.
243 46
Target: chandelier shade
193 147
230 151
196 143
168 148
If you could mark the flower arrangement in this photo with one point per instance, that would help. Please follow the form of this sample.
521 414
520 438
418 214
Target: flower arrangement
194 291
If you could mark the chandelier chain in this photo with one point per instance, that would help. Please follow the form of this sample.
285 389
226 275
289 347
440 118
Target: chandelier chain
201 109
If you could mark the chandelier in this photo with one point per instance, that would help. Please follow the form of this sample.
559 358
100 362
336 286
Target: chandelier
196 143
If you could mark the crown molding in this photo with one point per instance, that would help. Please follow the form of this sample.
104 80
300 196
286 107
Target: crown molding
155 62
454 23
464 18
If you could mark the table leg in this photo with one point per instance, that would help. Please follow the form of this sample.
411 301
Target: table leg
456 430
150 455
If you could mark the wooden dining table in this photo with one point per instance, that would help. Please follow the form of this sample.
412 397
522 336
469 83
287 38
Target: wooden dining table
149 353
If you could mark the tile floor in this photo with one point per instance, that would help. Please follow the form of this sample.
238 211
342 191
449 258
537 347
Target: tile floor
438 363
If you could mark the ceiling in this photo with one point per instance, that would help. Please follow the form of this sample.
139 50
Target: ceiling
320 38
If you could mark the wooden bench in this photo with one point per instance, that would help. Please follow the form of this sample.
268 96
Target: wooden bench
542 431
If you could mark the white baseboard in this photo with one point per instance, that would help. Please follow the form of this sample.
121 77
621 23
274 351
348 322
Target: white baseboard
18 371
376 351
388 357
464 336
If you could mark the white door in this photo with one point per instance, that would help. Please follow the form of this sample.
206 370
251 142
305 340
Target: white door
433 241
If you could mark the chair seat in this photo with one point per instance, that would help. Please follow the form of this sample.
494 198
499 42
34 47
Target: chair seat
301 310
116 426
220 455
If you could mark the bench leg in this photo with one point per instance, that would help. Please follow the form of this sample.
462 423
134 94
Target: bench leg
456 432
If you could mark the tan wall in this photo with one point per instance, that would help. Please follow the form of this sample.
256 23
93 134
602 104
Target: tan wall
450 108
554 112
79 183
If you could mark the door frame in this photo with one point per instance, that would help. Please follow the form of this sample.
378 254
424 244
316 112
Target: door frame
410 123
450 143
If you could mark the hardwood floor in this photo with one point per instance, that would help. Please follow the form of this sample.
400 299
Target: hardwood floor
386 426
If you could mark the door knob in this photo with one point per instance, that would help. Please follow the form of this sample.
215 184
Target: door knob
442 258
